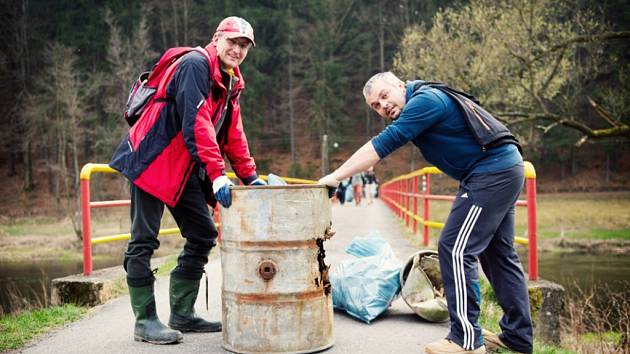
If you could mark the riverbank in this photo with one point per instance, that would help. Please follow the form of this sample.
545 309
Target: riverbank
597 223
20 328
69 248
596 247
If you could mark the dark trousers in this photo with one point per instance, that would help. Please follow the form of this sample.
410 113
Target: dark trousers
193 218
481 226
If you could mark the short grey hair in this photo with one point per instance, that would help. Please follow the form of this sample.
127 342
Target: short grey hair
386 76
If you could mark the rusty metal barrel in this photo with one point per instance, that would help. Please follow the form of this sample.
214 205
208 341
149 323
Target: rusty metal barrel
276 295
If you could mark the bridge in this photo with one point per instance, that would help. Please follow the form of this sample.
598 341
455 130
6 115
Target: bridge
109 327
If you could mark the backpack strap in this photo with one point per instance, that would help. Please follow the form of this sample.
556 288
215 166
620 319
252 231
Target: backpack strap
486 129
443 87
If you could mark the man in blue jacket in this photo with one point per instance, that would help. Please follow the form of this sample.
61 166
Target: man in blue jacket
481 222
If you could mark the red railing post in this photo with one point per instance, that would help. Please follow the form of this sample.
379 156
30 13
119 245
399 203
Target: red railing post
415 204
86 227
407 201
532 228
399 199
426 186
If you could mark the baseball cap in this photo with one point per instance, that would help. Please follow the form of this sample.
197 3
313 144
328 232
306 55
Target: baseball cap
234 27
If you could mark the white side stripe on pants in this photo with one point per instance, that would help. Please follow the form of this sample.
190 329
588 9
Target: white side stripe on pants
457 257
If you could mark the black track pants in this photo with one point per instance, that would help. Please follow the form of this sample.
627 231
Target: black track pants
193 218
481 226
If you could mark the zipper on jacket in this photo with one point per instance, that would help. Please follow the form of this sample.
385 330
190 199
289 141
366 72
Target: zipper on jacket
472 107
183 182
228 97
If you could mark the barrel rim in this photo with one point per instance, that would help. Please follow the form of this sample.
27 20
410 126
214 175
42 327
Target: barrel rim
234 349
291 186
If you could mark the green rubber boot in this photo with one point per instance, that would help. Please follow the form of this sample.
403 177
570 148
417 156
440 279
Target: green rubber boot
183 294
148 327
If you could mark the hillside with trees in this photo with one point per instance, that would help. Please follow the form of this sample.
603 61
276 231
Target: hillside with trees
556 73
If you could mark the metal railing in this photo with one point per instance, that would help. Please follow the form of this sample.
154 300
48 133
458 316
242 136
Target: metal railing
87 205
403 193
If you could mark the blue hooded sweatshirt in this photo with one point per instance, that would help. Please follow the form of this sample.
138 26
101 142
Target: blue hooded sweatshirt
432 121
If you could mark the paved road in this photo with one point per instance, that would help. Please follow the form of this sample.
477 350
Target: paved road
109 328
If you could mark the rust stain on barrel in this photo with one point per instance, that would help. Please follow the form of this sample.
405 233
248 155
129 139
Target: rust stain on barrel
257 298
279 244
275 298
309 295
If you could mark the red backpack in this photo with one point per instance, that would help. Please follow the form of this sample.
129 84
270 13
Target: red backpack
143 90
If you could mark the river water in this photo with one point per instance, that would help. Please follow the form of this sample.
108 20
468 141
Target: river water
26 284
29 282
585 271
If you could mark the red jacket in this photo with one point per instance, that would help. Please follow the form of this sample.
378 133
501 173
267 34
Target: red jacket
161 150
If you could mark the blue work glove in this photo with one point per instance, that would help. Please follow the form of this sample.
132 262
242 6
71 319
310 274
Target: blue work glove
258 182
221 188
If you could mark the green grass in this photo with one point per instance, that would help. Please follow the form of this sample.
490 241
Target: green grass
583 234
119 286
491 315
17 330
169 264
104 222
614 337
43 226
581 216
602 216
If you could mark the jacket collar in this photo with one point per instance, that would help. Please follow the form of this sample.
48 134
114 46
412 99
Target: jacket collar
215 66
411 87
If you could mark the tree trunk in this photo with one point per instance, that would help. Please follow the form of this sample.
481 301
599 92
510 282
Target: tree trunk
607 170
291 112
574 163
50 172
28 167
381 48
324 155
185 20
59 168
163 30
175 26
13 163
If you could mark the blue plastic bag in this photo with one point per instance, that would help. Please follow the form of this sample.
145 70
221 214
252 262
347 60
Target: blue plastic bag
274 180
368 245
365 287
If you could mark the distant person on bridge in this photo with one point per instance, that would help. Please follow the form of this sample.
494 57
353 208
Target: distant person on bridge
481 222
171 161
356 181
370 184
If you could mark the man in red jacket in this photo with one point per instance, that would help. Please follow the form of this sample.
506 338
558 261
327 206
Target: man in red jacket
168 156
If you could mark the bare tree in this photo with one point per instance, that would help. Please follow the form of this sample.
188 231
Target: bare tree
128 57
55 114
530 62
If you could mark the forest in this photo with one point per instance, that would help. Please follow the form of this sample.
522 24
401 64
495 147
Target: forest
556 72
